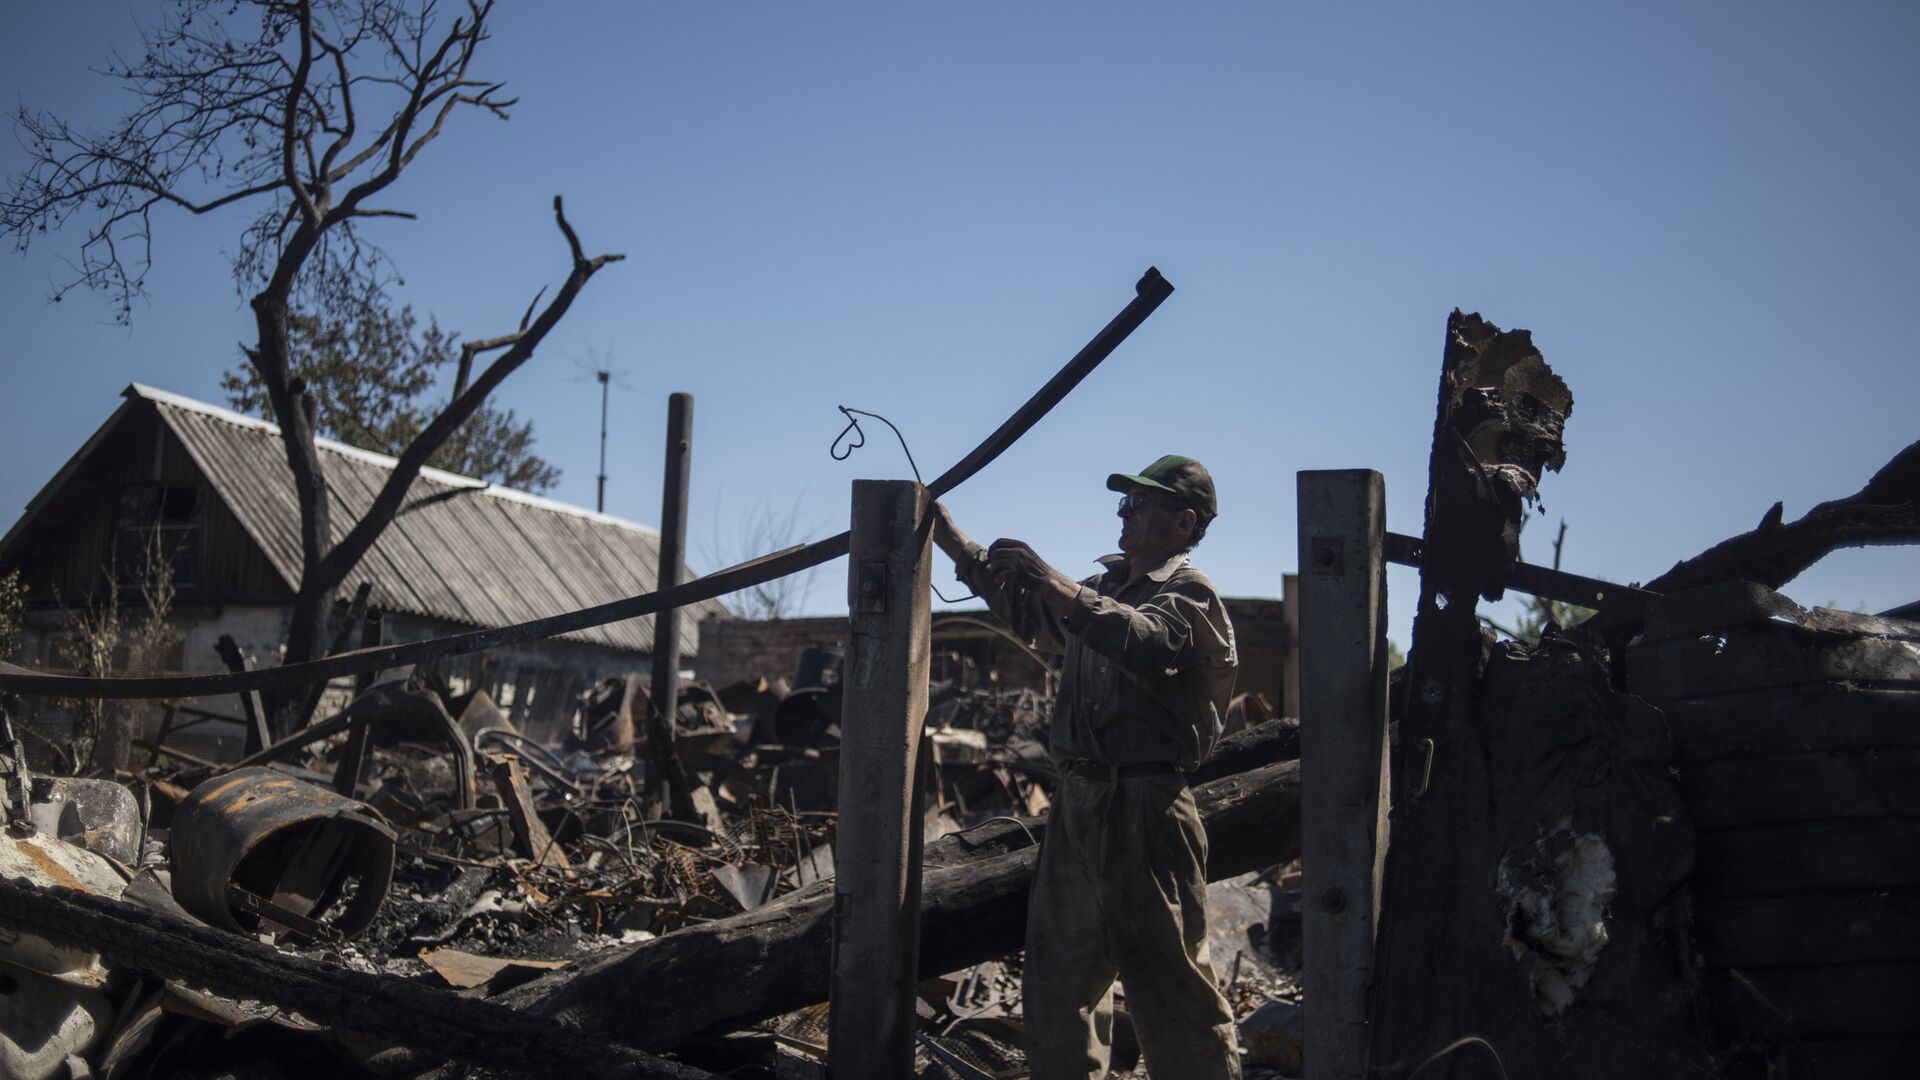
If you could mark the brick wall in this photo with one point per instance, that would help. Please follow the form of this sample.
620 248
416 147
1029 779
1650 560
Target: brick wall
735 649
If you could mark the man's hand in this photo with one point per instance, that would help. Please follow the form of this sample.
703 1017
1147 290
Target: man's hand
1012 562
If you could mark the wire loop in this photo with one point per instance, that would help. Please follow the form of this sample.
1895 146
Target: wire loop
853 425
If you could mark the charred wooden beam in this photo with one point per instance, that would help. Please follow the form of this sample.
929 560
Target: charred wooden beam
251 707
1497 428
530 834
1885 511
164 946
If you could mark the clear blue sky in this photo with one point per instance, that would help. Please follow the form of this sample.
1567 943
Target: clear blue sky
1704 212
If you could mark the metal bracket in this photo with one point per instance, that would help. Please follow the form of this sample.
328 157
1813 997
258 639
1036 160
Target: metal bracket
255 904
1327 556
873 588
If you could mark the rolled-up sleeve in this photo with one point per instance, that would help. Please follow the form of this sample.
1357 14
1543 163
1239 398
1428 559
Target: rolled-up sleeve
1023 610
1182 627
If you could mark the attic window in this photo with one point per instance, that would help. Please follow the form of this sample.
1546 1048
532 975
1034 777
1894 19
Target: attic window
154 519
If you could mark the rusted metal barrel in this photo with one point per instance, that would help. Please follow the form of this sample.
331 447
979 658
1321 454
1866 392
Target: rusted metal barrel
256 851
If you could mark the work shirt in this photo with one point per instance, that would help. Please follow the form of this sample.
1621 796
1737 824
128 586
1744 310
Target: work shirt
1148 668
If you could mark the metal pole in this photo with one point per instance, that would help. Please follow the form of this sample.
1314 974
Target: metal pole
600 499
1343 760
876 902
666 624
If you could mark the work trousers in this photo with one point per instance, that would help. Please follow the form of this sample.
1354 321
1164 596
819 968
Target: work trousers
1122 890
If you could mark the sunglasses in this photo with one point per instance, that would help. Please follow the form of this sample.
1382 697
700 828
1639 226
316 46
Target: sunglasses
1138 501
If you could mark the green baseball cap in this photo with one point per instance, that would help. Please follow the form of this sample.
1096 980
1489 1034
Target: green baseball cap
1182 477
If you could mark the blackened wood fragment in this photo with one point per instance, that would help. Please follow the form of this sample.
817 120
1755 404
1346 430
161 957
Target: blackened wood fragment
1885 511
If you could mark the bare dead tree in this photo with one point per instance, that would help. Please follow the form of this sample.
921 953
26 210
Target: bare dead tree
763 527
267 103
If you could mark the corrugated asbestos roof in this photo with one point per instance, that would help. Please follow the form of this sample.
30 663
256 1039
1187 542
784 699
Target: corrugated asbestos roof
460 550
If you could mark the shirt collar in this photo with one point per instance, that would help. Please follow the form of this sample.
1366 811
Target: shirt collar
1117 566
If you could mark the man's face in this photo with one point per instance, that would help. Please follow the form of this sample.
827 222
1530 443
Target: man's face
1152 525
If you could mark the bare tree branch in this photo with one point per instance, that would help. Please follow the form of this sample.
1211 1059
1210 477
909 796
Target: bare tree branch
257 101
290 128
360 538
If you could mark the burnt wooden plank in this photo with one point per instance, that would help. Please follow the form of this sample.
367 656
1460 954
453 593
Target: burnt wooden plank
1802 787
1810 930
1792 720
1780 860
530 834
1718 663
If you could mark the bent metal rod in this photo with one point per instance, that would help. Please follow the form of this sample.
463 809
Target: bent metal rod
1149 292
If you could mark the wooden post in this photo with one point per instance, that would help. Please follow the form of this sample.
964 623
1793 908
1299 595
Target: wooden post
353 755
876 903
1343 760
666 624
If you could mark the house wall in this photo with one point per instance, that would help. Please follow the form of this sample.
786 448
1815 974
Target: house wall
67 545
62 556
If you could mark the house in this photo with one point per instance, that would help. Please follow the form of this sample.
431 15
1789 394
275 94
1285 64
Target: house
212 487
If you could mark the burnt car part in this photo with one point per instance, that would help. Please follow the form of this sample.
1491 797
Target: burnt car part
258 851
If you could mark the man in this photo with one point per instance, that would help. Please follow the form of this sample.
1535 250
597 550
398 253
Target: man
1121 886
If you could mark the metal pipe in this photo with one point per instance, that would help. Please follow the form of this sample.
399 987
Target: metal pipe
600 499
1150 291
666 623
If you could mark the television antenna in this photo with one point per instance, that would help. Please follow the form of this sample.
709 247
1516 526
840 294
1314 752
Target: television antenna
606 377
